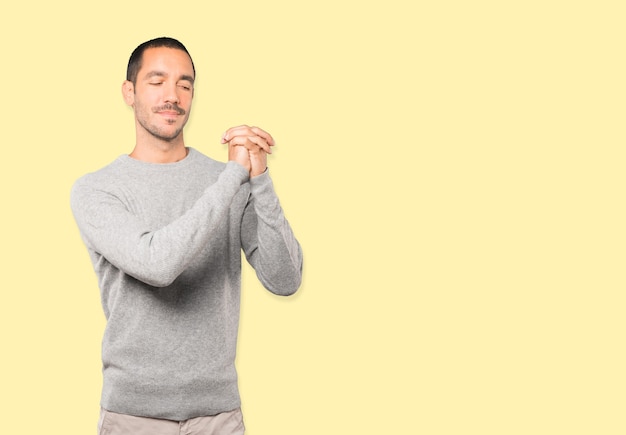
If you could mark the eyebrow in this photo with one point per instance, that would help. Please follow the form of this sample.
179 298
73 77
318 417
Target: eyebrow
163 74
188 78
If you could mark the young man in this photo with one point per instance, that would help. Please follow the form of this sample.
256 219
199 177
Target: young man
164 227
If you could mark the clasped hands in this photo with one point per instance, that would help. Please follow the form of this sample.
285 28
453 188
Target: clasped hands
249 146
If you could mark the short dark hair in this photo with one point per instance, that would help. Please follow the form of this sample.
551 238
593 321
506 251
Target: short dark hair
134 63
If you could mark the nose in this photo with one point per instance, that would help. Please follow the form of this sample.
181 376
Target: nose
171 93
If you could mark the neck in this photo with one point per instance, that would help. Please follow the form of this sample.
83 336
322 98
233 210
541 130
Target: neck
154 150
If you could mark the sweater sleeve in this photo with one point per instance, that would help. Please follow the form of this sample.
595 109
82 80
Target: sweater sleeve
268 241
156 257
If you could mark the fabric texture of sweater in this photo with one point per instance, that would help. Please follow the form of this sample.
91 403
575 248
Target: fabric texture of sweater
165 241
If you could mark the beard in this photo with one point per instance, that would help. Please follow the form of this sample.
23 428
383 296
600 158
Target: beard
161 132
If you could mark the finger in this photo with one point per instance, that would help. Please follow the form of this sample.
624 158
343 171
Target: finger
245 130
236 131
264 134
252 143
262 143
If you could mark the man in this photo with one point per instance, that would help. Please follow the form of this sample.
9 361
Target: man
164 227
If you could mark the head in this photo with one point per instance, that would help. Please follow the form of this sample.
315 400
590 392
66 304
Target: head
159 87
134 63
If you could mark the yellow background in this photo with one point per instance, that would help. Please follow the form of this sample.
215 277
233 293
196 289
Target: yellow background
453 170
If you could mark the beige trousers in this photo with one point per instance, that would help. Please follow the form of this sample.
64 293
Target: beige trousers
227 423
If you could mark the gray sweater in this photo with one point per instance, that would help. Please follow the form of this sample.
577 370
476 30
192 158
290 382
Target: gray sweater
165 241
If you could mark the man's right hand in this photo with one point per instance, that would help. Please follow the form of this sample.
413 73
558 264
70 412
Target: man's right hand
240 155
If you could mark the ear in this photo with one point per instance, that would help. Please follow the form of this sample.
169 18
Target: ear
128 92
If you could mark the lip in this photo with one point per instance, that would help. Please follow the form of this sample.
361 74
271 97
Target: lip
168 113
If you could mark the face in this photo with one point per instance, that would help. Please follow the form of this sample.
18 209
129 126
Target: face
163 93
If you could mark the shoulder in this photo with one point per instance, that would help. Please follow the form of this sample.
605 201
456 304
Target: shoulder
92 186
100 177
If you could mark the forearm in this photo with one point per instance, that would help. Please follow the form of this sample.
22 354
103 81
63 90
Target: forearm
154 256
272 248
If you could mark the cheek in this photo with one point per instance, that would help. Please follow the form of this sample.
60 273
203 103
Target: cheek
185 103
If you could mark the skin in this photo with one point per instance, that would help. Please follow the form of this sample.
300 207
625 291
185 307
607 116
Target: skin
161 100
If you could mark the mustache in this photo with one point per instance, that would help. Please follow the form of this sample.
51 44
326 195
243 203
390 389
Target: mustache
168 107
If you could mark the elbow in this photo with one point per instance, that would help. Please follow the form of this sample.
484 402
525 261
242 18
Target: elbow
287 290
292 282
283 284
158 278
159 283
